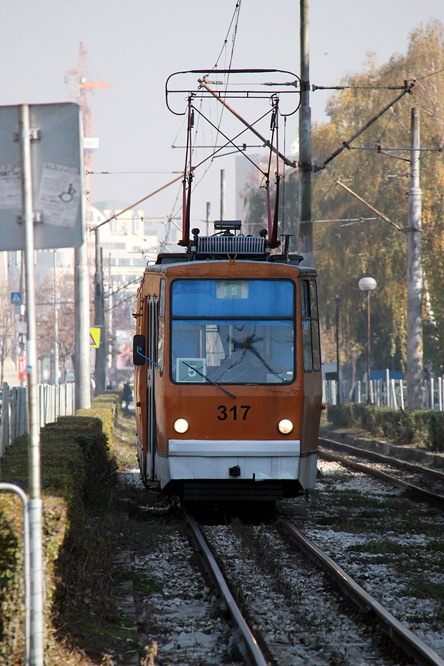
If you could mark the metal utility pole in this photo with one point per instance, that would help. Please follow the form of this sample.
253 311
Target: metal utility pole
414 274
305 245
82 350
109 363
99 317
222 194
338 380
21 350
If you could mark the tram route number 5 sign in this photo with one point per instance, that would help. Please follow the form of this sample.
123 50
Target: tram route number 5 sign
190 370
56 176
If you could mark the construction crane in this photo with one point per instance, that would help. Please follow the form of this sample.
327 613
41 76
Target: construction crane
78 88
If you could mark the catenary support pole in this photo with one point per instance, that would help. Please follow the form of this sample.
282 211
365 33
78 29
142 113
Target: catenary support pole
109 337
82 323
338 371
414 274
99 316
35 501
305 243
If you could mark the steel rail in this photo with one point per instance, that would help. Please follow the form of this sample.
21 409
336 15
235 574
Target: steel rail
250 642
400 483
400 634
381 457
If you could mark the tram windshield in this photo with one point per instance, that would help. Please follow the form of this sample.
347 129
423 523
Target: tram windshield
233 331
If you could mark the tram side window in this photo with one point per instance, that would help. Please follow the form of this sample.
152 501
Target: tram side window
152 328
161 325
310 326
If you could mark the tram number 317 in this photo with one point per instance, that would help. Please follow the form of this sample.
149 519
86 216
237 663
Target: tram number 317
233 412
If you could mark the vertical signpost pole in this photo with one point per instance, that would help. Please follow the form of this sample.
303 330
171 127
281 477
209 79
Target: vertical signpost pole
35 501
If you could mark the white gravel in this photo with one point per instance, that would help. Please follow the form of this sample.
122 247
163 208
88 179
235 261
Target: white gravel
182 614
291 606
385 580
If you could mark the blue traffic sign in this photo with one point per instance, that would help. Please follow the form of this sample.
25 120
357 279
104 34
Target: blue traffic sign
16 298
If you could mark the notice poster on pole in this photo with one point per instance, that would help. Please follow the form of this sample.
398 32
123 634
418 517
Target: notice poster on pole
60 194
10 187
56 177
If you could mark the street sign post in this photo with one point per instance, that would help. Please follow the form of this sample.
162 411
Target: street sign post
41 206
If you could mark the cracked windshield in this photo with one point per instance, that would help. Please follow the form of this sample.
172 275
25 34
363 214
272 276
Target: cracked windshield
233 332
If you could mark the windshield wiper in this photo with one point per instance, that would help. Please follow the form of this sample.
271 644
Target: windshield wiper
209 380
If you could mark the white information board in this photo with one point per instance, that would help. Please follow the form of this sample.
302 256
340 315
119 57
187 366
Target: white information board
57 177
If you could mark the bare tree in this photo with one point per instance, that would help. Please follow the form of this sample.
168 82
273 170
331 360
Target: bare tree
6 328
65 316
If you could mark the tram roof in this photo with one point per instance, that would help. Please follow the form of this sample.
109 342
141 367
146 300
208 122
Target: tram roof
176 260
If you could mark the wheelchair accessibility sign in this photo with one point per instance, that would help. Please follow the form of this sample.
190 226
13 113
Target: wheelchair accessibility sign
190 370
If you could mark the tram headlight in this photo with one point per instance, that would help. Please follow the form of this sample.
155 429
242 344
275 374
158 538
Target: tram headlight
285 426
181 426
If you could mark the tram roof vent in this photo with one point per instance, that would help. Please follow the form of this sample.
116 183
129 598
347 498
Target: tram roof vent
230 245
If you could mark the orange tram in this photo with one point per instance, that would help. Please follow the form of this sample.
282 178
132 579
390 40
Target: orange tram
228 370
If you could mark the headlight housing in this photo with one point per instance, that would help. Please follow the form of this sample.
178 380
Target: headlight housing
181 426
285 426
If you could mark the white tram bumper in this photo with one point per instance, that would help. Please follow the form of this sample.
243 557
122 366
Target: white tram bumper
215 459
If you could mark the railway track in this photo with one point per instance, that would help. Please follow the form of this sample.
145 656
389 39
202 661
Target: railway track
312 624
422 482
403 637
248 640
288 604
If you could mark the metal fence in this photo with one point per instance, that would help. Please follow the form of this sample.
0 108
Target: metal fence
54 401
384 393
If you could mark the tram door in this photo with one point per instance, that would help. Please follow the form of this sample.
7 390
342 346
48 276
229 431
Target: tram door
151 346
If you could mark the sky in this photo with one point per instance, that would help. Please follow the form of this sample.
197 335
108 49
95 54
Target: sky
135 45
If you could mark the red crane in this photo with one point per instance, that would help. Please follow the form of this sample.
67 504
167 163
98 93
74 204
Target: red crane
78 87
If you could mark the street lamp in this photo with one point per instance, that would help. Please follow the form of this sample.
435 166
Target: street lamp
368 284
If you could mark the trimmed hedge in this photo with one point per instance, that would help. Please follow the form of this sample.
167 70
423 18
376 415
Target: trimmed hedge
75 460
424 428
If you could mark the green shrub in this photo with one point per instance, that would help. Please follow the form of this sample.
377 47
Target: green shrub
424 428
11 577
75 463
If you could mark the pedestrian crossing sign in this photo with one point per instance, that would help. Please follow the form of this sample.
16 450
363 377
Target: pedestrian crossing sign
94 337
16 297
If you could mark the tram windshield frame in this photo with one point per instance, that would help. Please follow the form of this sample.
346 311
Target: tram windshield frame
233 331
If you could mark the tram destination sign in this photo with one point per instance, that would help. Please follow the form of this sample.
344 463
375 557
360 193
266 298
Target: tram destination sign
56 175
